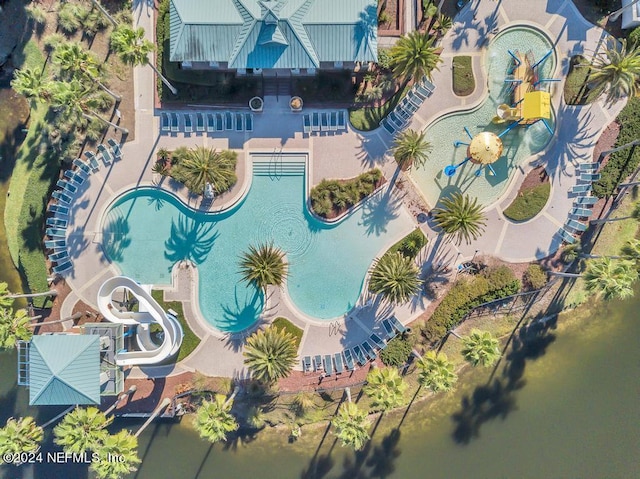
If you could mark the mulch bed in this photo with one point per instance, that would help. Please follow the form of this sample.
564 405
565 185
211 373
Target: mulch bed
537 176
393 9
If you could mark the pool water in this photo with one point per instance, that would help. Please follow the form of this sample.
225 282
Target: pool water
146 231
519 144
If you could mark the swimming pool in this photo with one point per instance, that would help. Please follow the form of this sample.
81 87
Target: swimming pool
146 231
519 144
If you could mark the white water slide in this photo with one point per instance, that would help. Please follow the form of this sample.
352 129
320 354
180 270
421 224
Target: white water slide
149 313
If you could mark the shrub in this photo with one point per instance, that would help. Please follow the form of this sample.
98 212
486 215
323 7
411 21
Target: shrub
634 36
289 327
384 59
466 294
621 163
410 245
397 352
69 17
535 277
336 196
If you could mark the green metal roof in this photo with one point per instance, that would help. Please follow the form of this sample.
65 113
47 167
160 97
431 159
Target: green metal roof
273 33
64 369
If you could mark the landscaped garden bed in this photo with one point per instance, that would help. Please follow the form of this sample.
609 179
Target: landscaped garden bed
331 198
189 341
532 196
463 81
576 87
390 17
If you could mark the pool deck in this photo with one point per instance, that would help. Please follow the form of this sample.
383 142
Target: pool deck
342 155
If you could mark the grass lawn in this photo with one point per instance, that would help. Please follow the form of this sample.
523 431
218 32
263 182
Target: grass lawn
289 327
190 340
463 80
576 91
369 117
528 203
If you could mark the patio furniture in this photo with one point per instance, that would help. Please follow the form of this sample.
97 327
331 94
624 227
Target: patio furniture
115 148
106 156
164 122
333 121
386 324
581 212
342 123
188 123
566 236
211 122
576 225
59 210
368 350
328 365
248 122
588 167
428 85
65 185
401 328
585 200
82 166
398 122
580 189
175 123
589 177
59 256
93 161
315 121
55 244
62 268
306 123
337 358
228 120
239 122
348 359
388 126
359 355
423 90
219 122
56 232
375 339
324 121
306 364
317 363
199 122
62 198
419 93
57 222
74 177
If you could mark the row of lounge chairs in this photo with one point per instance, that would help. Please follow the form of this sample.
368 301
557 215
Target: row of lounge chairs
173 122
588 173
399 117
57 224
350 358
324 121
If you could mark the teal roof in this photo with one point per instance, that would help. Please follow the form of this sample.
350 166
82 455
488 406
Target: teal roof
64 369
273 33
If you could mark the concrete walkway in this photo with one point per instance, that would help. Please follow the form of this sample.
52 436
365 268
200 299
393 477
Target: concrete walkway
342 155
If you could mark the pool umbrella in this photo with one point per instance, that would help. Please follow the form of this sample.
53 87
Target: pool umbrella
485 148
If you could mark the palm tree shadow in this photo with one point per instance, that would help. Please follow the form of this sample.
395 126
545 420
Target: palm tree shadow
190 240
244 311
379 211
116 238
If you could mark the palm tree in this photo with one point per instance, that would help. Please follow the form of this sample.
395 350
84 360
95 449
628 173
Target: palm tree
104 12
436 372
263 266
617 69
83 429
270 354
133 49
203 165
6 301
32 83
631 251
14 327
395 277
352 426
385 387
413 56
213 420
17 436
481 348
411 148
75 61
123 446
461 217
612 279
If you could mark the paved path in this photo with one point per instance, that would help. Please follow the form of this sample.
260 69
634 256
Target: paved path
343 155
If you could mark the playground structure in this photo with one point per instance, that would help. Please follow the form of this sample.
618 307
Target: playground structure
528 105
140 322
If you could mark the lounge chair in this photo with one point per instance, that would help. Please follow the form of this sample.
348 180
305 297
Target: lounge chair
188 123
317 363
82 166
115 148
65 185
388 126
57 222
375 339
59 256
342 122
106 155
581 212
585 200
348 359
576 225
401 328
74 177
62 198
56 232
333 121
580 189
306 123
324 121
59 210
199 122
328 365
588 167
62 268
589 177
566 236
211 123
386 324
397 121
93 161
239 122
359 355
228 120
368 349
55 244
428 85
164 122
248 122
337 358
306 364
219 122
423 90
175 123
315 121
420 94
